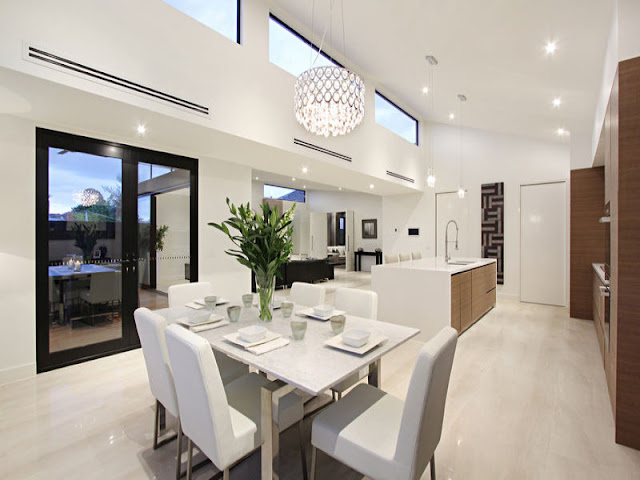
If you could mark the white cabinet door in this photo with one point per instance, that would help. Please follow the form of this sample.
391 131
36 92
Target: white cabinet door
318 224
543 243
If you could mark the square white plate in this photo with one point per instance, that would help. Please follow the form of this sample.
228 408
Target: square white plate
374 340
277 303
308 312
201 319
235 338
220 301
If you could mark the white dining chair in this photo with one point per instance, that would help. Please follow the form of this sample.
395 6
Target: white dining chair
383 437
361 303
416 255
224 422
184 293
181 294
307 294
102 291
151 328
391 258
405 257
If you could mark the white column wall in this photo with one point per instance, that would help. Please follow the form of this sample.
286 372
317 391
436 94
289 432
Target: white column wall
17 250
487 158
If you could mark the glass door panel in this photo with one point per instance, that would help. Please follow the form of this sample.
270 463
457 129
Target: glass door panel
85 249
164 232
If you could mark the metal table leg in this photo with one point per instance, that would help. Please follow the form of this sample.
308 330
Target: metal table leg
375 374
269 453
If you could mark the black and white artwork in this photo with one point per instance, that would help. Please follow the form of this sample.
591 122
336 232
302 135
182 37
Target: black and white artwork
492 216
370 228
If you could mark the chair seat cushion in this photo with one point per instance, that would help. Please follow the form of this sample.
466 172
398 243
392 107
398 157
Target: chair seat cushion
361 431
244 395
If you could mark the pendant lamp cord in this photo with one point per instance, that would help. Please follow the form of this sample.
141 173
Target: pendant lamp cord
324 33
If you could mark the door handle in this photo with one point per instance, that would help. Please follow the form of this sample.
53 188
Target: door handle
604 291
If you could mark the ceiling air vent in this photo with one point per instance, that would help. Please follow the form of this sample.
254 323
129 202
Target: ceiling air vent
64 64
401 177
317 148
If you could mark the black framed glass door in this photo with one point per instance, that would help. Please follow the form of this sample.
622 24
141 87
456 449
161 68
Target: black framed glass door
116 225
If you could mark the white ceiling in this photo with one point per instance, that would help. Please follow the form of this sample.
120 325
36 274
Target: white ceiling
301 181
490 50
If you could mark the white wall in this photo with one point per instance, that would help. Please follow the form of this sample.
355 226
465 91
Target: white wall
364 206
172 210
488 158
217 181
17 250
248 96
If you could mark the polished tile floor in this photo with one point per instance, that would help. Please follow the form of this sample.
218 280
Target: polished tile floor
527 400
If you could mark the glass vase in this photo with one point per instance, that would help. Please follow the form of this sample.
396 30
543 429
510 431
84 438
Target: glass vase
266 285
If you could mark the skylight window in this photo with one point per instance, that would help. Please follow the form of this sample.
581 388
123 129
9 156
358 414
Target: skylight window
284 193
223 16
392 117
291 51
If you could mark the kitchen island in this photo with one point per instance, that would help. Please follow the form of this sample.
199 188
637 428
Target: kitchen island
430 294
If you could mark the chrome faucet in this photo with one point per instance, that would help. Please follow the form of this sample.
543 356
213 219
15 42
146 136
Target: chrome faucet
447 257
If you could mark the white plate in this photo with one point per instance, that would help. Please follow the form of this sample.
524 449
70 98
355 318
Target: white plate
235 338
277 303
308 312
201 319
374 340
220 301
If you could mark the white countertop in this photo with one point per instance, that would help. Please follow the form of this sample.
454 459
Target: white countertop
599 268
437 264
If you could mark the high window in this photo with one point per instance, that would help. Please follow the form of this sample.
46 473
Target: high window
291 51
392 117
284 193
221 15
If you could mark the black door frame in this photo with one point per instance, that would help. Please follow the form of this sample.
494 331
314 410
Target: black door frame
130 156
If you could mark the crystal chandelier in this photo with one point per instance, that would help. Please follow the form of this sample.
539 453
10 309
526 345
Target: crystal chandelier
329 100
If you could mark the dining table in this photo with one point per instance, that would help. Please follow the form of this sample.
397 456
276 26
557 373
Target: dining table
307 365
65 276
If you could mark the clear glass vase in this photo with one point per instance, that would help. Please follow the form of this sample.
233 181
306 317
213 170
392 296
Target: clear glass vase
266 285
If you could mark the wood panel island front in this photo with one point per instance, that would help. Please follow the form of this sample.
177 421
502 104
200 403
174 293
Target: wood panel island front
430 293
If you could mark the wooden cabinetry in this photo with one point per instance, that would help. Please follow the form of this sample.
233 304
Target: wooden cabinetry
473 293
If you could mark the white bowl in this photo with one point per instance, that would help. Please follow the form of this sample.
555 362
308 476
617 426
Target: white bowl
323 310
252 334
355 337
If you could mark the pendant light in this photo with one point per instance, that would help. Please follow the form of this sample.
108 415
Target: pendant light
461 190
329 100
431 176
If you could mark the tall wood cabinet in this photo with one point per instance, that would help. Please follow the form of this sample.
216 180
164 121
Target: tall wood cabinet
622 189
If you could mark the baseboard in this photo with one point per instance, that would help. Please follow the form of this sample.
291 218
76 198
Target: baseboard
13 374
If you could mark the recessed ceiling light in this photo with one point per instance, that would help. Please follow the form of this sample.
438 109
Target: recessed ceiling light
141 129
256 178
561 132
371 185
305 169
339 188
293 179
557 102
451 116
550 48
425 90
304 186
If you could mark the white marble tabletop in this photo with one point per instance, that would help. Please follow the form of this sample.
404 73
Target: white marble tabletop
85 269
307 364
